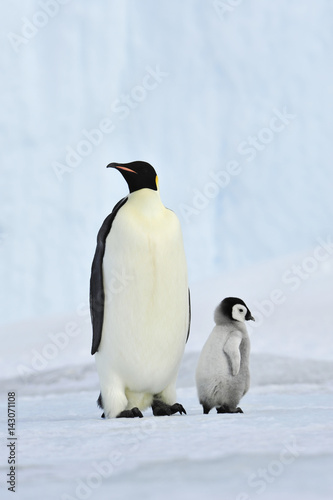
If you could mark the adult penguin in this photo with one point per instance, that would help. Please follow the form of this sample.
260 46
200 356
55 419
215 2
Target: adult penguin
139 300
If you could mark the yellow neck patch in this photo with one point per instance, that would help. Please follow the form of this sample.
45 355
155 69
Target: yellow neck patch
156 180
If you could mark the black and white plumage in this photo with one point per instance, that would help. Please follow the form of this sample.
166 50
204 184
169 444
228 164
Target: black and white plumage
139 300
222 375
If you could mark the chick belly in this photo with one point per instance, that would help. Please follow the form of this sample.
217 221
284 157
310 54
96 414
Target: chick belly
221 388
229 392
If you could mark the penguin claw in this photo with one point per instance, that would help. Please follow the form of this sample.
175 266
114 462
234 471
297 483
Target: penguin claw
177 407
161 409
134 412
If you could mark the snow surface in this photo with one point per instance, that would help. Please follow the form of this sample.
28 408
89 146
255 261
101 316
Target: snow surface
280 448
63 445
265 236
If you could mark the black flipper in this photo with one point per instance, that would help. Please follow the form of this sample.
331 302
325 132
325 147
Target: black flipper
96 280
189 315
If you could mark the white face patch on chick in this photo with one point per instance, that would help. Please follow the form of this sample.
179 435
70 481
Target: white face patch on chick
239 312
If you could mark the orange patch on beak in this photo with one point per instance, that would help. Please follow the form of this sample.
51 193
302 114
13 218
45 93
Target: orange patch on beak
127 169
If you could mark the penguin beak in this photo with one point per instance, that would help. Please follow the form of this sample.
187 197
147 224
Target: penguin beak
252 318
120 167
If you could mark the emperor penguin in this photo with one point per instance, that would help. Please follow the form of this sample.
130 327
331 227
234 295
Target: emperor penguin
139 300
222 375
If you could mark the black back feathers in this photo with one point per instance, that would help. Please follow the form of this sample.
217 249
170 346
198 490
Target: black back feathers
97 295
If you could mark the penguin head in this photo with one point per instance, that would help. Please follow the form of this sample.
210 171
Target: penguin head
137 174
234 309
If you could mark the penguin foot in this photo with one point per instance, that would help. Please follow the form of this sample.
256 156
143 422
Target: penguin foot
160 408
206 409
134 412
103 415
226 409
177 408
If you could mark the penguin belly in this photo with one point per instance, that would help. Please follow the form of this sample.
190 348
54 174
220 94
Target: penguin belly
146 307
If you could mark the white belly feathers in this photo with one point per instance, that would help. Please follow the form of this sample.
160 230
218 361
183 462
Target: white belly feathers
146 296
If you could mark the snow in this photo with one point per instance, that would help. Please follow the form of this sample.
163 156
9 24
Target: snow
65 449
287 434
257 223
280 448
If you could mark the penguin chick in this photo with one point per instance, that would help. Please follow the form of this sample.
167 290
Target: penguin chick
222 375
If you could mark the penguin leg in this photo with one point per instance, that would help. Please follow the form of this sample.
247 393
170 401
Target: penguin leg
163 402
227 409
100 404
168 395
206 408
113 399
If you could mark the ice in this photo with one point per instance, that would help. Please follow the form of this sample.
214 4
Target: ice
221 79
